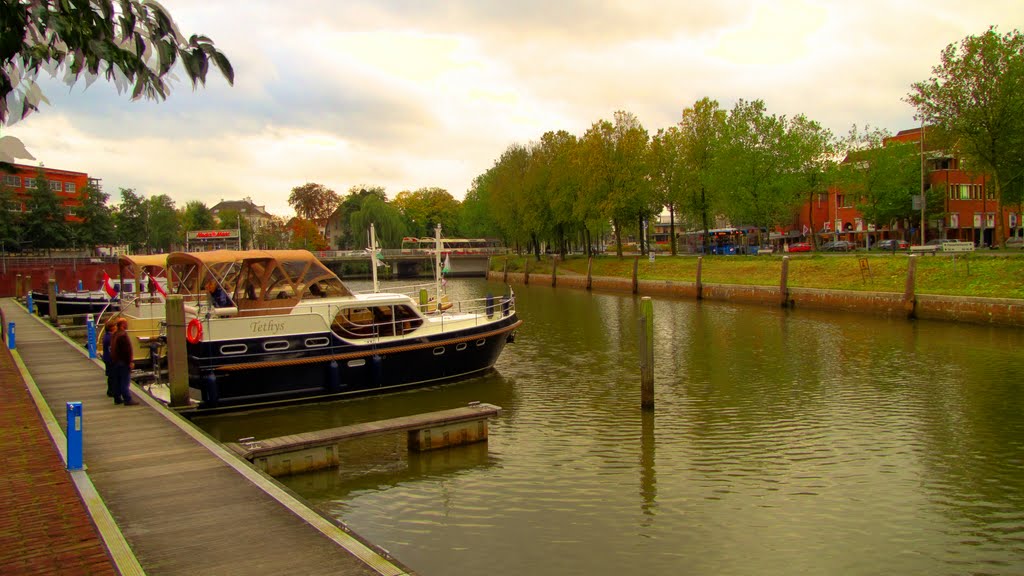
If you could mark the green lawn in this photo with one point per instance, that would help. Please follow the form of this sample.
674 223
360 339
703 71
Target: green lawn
990 275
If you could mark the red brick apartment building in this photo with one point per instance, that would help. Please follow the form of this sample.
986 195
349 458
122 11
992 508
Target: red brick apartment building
66 184
970 207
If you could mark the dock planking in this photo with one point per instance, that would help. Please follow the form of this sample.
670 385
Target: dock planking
183 504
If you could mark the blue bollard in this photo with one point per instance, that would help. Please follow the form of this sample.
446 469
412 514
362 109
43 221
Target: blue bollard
90 334
28 303
10 335
74 435
80 287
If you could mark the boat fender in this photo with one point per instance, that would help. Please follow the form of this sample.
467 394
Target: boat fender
194 331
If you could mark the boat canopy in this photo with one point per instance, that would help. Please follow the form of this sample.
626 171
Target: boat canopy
142 266
256 280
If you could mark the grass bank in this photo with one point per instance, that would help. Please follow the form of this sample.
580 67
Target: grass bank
987 275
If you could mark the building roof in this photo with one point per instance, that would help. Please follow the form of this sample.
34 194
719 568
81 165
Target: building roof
242 206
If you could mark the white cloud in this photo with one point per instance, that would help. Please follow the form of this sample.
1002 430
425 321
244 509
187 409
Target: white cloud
408 94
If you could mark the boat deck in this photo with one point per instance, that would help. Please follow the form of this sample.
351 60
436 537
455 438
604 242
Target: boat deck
166 498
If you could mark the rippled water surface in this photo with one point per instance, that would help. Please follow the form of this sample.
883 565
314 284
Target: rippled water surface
782 442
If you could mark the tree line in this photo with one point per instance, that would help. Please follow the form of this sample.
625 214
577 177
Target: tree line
754 169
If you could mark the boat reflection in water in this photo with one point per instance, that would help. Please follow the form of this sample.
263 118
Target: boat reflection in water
271 326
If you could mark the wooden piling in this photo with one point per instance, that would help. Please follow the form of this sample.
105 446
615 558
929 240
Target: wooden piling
51 291
526 271
554 269
700 285
646 353
784 283
18 293
177 353
504 272
590 278
909 296
636 283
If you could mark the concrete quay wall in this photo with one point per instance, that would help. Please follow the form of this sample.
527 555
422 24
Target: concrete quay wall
994 311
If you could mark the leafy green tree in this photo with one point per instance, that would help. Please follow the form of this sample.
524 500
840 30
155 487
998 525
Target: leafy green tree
701 128
425 208
347 238
883 178
131 219
669 176
758 165
816 156
475 217
97 225
614 161
164 228
313 201
975 97
233 220
197 216
387 221
502 186
556 156
130 43
10 227
44 221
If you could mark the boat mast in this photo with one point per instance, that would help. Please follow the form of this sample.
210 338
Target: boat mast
437 264
373 258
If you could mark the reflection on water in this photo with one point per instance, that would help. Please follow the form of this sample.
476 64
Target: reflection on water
781 442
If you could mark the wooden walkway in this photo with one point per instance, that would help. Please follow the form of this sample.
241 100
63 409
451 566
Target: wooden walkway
167 499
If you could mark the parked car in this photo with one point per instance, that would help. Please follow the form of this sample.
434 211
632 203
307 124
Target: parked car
839 246
1015 242
939 241
892 245
800 247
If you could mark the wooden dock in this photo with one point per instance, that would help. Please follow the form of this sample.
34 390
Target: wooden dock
317 450
166 498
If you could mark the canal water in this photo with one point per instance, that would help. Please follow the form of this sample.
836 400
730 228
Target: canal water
782 442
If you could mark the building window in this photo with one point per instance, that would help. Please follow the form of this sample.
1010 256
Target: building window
56 186
69 186
30 183
14 181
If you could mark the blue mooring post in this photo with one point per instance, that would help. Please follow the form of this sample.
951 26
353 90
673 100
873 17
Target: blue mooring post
90 334
10 335
74 435
28 303
80 286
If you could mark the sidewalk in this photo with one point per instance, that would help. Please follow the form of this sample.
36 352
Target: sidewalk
44 527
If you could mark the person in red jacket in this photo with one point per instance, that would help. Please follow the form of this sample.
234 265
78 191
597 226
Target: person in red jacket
121 356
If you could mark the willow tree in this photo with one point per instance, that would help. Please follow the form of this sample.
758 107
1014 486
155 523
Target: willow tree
387 221
975 97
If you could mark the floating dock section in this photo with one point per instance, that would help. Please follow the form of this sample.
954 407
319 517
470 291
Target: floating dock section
309 451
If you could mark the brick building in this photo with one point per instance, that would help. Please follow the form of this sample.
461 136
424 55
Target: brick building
67 185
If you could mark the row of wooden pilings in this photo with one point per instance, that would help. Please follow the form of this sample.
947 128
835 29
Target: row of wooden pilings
909 297
646 320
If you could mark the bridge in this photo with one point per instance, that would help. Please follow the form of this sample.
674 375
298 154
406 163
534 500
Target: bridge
410 263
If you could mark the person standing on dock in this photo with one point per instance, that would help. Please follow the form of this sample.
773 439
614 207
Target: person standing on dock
122 356
108 362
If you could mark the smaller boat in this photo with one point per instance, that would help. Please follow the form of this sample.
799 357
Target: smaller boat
80 301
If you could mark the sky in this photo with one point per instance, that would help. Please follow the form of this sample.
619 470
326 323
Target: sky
410 94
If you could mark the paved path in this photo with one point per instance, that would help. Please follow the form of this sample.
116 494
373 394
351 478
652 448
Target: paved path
166 498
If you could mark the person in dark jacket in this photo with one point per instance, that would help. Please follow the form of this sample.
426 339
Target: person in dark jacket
108 363
122 356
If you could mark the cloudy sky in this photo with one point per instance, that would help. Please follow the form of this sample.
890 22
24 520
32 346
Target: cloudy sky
408 94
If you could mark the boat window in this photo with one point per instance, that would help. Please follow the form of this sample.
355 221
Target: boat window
354 323
357 363
481 342
275 345
229 349
317 342
460 346
407 318
439 350
279 286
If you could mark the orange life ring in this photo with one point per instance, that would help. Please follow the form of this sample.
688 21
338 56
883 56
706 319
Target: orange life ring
194 331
